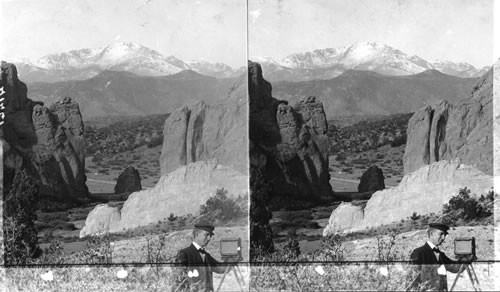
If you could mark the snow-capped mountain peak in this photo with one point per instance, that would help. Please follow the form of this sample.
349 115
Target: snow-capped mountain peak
373 56
122 56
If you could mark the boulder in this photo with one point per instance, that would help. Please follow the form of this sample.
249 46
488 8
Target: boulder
372 180
345 217
46 141
180 192
128 181
423 192
446 131
288 143
101 219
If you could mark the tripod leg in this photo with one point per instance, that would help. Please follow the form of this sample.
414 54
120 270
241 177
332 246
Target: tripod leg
223 276
475 275
456 278
238 279
472 278
240 274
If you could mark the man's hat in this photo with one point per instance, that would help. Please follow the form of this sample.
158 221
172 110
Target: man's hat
440 226
205 226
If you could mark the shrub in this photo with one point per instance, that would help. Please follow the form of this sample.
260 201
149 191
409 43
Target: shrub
172 217
155 141
386 248
341 157
99 250
97 158
332 249
220 207
155 252
54 254
398 141
464 206
292 247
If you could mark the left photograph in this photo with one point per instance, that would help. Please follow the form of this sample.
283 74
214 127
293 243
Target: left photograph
124 134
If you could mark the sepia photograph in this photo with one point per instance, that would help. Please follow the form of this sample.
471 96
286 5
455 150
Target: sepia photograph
371 142
124 136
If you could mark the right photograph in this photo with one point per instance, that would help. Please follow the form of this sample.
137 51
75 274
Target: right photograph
371 145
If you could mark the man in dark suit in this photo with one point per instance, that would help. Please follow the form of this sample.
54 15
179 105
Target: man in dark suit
431 262
197 263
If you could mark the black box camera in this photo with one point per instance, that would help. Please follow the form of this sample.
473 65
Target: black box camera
230 248
465 246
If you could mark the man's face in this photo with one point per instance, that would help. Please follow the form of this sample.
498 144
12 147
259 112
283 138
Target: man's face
203 238
437 237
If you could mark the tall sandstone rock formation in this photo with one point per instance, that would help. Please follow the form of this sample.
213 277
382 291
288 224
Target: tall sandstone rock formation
447 131
449 147
288 143
46 141
201 132
204 149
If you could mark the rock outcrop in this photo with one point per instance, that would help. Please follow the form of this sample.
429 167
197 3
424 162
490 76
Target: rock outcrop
288 144
372 180
200 132
424 191
344 217
128 181
101 219
46 141
447 131
181 192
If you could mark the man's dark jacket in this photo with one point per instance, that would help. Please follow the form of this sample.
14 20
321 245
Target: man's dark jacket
428 265
192 263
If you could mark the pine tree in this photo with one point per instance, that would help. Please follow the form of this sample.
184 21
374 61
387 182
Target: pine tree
20 235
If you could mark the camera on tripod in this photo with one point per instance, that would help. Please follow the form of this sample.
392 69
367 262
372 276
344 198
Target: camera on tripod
230 252
230 249
465 247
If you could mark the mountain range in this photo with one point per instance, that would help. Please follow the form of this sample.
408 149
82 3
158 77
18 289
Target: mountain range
125 56
357 92
369 56
124 93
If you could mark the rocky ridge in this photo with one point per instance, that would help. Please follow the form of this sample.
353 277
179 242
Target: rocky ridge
180 192
446 131
288 143
423 192
46 141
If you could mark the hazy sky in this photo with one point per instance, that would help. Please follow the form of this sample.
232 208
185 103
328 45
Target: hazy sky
455 30
214 30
